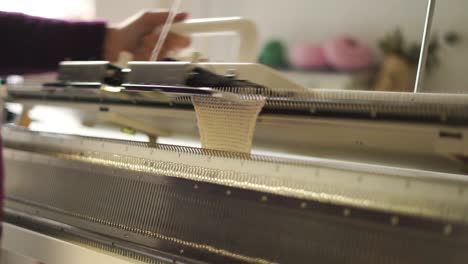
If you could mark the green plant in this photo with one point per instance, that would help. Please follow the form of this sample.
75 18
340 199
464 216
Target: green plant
394 43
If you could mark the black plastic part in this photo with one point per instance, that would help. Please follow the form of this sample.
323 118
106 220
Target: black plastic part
202 78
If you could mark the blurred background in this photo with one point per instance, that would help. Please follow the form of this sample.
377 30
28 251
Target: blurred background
353 44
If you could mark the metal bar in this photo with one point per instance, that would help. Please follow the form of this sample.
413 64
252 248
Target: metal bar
424 46
61 233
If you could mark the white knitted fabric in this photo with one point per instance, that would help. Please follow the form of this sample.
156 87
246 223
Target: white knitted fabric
227 125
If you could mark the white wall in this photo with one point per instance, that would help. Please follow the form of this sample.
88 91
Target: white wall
317 20
116 10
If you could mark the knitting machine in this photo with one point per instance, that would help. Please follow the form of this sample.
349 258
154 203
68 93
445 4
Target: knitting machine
240 165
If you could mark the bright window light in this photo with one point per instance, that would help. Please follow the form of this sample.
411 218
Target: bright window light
70 9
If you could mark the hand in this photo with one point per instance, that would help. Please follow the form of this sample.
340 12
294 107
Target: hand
137 35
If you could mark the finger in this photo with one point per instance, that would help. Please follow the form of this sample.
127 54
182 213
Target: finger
176 41
150 40
145 54
142 55
145 51
155 19
163 54
172 40
180 17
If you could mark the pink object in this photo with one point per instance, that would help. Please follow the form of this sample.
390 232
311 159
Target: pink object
346 53
307 56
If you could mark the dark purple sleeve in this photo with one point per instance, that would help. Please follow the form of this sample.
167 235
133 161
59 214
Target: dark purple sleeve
32 44
2 182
